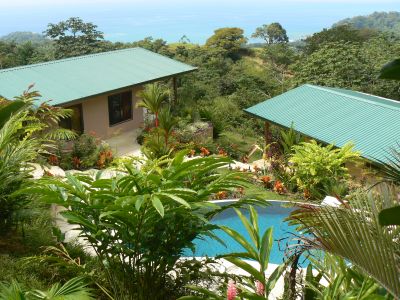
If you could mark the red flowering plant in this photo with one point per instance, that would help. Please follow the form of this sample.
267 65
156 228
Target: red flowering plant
279 188
76 162
204 151
53 160
222 152
265 180
221 195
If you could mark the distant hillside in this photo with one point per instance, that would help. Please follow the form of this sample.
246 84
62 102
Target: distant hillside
383 21
24 36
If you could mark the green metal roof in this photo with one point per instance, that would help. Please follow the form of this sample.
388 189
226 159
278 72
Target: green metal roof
80 77
337 116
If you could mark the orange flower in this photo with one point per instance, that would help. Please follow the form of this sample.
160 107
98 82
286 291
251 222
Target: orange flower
204 151
53 160
101 162
76 162
265 179
221 195
222 152
278 187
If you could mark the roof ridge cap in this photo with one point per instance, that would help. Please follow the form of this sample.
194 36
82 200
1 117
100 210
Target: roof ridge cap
355 97
66 59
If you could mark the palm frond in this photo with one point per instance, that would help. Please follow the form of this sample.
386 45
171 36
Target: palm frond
355 234
390 169
11 291
74 289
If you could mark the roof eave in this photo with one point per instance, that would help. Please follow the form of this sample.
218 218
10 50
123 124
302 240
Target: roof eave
71 102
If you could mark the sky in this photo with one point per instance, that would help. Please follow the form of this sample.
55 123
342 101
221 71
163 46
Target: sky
131 20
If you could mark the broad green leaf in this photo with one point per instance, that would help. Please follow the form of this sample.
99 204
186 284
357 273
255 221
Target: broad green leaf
391 70
175 198
246 267
250 229
8 110
390 216
157 205
265 249
274 277
241 240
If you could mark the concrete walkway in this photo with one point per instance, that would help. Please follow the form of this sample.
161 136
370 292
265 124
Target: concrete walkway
125 144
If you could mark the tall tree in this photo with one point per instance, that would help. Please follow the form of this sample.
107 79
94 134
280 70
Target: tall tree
230 39
350 65
342 33
272 33
74 37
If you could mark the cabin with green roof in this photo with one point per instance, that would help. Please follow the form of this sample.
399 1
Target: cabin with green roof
100 88
336 116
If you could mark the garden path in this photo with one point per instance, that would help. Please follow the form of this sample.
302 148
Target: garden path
125 144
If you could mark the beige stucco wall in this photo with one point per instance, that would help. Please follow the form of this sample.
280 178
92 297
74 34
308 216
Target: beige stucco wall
96 119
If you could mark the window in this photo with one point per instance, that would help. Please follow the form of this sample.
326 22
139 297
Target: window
120 107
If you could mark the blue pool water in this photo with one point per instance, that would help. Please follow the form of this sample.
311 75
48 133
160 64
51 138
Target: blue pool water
270 216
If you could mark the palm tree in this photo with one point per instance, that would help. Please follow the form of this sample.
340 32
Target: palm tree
25 132
17 148
354 233
167 122
152 98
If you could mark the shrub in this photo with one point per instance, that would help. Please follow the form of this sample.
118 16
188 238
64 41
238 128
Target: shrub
87 152
154 145
317 167
194 132
139 223
235 144
85 146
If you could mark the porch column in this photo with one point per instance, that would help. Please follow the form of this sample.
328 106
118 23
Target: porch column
174 90
267 133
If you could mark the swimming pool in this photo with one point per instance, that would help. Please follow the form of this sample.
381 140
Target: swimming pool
270 216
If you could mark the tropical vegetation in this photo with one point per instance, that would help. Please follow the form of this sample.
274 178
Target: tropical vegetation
136 226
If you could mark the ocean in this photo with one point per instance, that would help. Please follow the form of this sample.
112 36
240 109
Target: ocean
123 20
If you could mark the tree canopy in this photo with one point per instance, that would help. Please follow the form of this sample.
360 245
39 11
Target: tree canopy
230 39
74 37
272 33
342 33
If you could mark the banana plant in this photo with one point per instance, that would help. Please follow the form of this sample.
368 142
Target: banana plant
256 285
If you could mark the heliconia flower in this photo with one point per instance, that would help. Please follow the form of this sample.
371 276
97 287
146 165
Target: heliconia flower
231 292
260 290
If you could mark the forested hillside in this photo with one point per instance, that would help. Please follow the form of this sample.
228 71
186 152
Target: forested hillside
24 36
231 76
383 21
